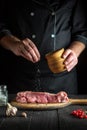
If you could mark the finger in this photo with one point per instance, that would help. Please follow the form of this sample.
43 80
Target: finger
33 47
29 52
71 56
69 59
33 54
71 65
26 54
66 53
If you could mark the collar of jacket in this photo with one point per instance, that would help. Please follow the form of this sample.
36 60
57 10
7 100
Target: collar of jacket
46 3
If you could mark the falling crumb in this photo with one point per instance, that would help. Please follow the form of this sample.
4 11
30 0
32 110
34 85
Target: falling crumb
24 114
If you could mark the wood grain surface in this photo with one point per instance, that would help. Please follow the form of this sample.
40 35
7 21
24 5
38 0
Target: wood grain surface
48 105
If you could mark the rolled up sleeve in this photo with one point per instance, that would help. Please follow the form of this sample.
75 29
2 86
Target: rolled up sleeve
79 23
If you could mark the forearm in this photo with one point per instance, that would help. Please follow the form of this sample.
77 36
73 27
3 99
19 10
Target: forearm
8 42
77 47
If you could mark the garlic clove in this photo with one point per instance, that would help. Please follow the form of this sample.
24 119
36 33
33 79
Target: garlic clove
8 112
9 105
24 114
11 111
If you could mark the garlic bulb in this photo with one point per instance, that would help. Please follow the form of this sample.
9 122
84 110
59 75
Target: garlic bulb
11 111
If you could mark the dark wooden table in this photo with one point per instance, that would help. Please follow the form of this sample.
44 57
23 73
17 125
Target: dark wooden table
59 119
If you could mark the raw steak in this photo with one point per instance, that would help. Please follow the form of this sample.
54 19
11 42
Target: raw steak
41 97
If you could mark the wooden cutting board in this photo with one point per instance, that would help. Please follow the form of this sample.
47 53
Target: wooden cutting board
38 106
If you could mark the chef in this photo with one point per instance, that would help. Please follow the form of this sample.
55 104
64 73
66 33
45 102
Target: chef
32 28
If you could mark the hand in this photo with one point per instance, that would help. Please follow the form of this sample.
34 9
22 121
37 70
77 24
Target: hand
71 59
25 48
28 50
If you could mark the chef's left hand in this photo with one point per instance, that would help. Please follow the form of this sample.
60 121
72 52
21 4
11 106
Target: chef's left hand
71 59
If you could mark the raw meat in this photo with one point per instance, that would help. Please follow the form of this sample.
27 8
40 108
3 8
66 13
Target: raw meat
41 97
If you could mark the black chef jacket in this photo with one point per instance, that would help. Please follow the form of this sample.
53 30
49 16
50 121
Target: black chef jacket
51 25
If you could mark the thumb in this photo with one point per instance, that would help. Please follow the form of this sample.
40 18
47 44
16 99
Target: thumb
66 53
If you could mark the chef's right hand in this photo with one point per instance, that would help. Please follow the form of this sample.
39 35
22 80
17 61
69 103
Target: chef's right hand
28 50
25 48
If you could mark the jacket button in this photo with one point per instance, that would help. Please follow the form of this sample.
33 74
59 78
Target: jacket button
32 13
53 13
52 35
33 36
